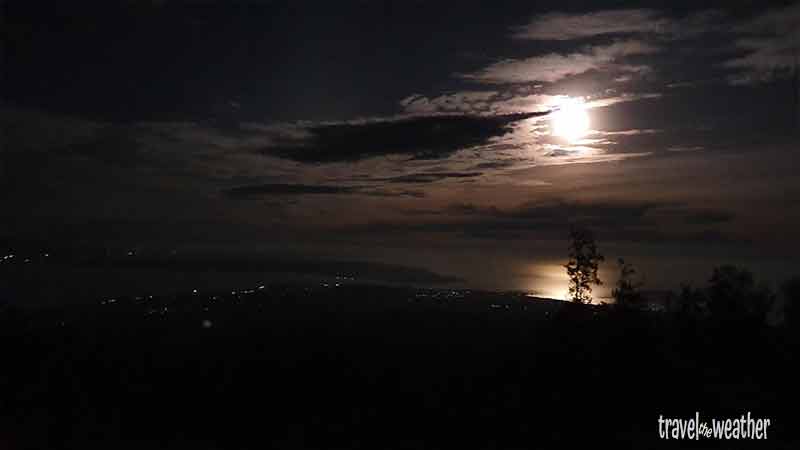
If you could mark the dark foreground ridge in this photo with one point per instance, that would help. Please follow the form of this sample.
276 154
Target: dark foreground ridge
329 365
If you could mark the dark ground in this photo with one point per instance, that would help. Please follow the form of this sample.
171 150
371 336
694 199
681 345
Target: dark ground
308 366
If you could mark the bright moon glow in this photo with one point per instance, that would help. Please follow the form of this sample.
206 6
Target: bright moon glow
551 281
570 120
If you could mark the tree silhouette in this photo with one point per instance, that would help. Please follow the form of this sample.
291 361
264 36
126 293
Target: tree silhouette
791 306
734 296
582 266
796 91
691 303
626 293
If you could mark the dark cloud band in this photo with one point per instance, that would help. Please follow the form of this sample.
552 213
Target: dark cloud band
429 137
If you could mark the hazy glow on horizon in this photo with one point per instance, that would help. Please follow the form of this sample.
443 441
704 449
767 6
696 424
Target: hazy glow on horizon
551 281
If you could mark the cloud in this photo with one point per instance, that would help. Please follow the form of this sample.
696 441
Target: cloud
547 68
560 26
479 103
429 177
509 102
624 48
500 164
532 144
614 221
392 193
683 214
553 67
256 191
622 98
685 84
769 46
681 148
459 102
596 214
631 132
284 189
548 216
419 137
764 46
636 22
708 216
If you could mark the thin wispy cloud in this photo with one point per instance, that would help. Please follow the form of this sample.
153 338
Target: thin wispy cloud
640 22
553 67
546 219
479 103
429 177
770 44
547 68
622 98
561 26
632 132
693 148
470 102
284 189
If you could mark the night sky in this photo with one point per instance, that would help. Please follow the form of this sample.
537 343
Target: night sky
416 134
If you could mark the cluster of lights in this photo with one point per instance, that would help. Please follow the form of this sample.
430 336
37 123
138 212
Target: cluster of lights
438 295
11 256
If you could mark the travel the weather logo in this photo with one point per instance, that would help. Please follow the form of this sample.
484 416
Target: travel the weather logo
743 427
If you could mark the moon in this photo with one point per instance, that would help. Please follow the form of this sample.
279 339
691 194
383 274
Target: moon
570 120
